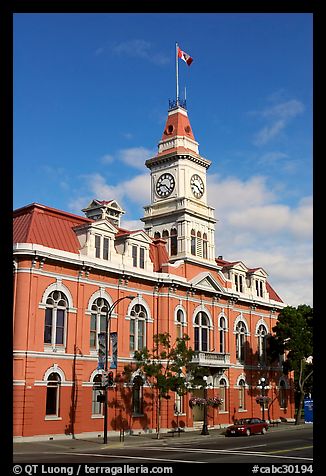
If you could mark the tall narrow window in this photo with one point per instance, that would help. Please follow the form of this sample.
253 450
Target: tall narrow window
205 246
165 236
55 318
222 332
174 242
199 250
53 395
138 316
106 248
97 246
97 407
242 395
134 256
137 396
201 328
240 339
261 344
241 283
179 323
259 288
142 258
223 395
98 321
193 242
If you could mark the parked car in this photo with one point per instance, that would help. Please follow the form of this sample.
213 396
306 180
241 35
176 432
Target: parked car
247 426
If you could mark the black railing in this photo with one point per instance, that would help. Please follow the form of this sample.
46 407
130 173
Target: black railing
173 103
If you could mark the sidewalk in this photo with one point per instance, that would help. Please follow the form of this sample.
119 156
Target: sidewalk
81 444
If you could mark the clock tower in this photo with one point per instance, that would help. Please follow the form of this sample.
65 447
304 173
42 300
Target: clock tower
178 211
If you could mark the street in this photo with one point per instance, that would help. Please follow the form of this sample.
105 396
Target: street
286 446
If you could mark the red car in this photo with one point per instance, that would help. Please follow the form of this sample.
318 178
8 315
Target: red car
247 426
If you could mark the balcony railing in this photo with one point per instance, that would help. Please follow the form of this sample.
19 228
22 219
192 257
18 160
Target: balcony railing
211 359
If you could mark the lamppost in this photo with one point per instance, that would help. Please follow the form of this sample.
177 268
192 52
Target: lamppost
205 429
262 385
107 320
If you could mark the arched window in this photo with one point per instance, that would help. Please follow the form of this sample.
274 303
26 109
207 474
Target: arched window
138 316
222 333
223 394
55 318
201 326
179 322
97 407
282 395
199 250
240 339
174 242
205 246
193 242
98 321
261 344
157 234
242 394
53 395
165 236
137 396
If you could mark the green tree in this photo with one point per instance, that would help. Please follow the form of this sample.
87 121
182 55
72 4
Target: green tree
294 337
165 368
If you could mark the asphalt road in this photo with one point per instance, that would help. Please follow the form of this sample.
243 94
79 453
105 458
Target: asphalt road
286 447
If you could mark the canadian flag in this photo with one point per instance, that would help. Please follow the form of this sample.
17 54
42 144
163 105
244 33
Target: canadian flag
184 56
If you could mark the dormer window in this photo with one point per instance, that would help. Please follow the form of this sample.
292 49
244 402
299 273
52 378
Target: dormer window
97 246
138 257
259 288
102 246
238 281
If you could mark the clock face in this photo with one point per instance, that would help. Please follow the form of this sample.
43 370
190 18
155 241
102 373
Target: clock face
197 186
165 185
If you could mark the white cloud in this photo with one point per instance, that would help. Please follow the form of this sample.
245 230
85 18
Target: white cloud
278 118
269 132
133 157
135 190
139 48
253 228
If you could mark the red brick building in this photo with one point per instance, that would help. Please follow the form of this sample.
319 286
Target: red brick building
69 269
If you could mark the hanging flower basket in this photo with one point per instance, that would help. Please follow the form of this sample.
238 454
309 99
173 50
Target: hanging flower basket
212 402
215 402
262 399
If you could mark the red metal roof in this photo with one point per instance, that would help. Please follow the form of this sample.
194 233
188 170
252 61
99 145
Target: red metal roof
177 124
47 226
272 294
39 224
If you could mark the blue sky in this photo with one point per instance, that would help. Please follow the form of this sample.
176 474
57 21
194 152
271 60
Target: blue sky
91 98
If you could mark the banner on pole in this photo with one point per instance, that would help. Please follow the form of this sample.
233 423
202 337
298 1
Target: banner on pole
101 350
114 350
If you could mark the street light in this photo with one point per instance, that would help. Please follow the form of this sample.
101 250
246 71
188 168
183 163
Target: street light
262 385
205 429
107 320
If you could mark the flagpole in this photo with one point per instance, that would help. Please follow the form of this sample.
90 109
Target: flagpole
177 74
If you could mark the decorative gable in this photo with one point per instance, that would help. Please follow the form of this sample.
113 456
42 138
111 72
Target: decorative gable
97 239
207 282
104 209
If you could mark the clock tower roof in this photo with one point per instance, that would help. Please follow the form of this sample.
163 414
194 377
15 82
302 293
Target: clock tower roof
177 136
177 124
